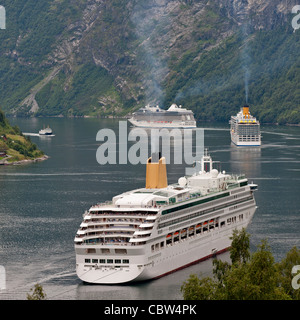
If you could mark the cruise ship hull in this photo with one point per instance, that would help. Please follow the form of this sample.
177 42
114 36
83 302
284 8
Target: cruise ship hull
152 265
163 124
155 117
240 143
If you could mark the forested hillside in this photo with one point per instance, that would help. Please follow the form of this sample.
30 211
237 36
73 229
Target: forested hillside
14 146
99 58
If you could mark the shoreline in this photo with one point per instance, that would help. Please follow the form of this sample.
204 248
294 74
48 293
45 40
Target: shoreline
25 161
115 117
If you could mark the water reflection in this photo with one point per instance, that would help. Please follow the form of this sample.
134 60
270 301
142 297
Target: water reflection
246 160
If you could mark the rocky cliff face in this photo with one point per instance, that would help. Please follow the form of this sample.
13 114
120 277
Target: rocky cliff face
109 57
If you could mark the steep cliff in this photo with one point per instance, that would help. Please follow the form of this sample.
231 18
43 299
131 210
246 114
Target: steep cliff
98 58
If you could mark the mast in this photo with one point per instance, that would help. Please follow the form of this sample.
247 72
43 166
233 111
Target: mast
206 162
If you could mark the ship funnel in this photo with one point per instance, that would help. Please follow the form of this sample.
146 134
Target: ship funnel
246 112
156 172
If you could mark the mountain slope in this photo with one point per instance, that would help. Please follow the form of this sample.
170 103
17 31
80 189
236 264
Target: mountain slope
14 146
99 58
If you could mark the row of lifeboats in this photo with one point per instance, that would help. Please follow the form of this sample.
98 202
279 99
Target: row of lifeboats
191 230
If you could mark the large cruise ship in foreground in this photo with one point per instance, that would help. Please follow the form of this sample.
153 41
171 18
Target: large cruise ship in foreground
155 117
150 232
245 129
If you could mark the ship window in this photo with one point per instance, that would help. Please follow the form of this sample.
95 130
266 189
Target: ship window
125 261
117 260
101 260
162 244
121 251
91 250
94 260
87 260
110 260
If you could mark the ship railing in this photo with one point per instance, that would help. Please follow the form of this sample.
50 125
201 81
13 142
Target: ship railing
102 204
121 243
109 230
120 213
106 243
114 222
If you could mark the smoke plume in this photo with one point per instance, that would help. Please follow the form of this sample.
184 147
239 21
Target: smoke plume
147 22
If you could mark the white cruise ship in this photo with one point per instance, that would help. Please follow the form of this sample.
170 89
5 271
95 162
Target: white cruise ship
155 117
150 232
45 131
245 129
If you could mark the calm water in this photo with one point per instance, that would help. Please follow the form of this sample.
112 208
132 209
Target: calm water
41 204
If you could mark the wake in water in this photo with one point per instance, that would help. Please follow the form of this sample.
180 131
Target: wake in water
37 135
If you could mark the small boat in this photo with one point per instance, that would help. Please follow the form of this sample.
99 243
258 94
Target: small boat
45 132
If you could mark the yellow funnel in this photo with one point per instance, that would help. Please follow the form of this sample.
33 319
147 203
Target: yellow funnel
156 174
246 112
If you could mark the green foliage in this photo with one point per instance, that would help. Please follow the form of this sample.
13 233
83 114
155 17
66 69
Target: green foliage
199 289
16 145
213 85
3 121
239 252
205 66
87 85
249 277
37 293
284 268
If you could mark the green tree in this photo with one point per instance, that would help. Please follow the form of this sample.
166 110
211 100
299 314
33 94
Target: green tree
284 268
199 289
3 146
239 252
249 277
38 293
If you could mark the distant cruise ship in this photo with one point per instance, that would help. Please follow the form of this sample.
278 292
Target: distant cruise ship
155 117
150 232
245 129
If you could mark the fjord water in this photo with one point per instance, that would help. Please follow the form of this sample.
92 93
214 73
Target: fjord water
41 204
